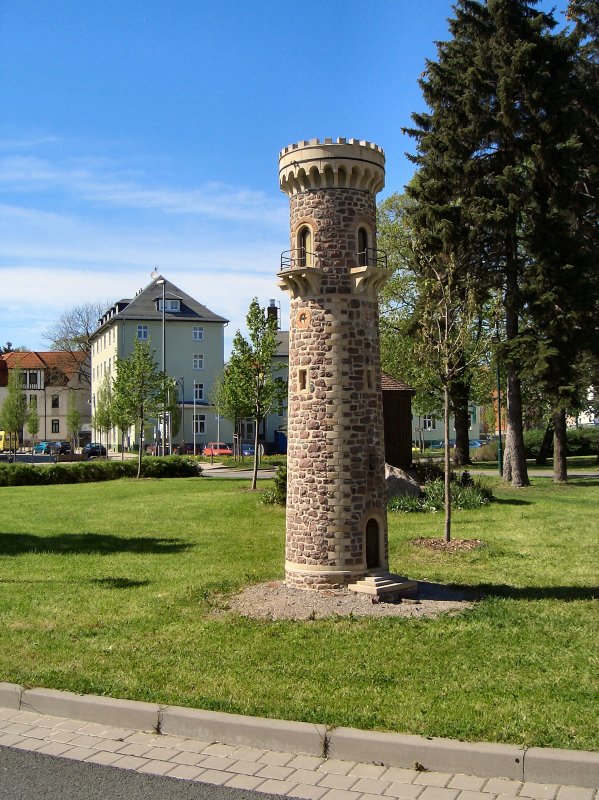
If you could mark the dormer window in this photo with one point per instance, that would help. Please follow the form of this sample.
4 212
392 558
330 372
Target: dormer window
170 305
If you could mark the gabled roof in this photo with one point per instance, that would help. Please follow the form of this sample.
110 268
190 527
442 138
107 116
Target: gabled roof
63 360
144 306
391 384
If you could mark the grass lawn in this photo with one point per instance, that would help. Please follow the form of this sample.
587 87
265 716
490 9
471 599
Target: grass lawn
107 588
575 464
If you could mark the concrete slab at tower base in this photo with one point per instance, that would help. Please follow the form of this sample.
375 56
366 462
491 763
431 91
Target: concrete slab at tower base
380 583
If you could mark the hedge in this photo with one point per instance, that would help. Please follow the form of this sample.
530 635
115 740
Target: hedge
20 474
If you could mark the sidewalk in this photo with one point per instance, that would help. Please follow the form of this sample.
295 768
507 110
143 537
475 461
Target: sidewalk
292 771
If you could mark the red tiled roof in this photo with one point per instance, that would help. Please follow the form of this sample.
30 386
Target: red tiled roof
390 384
56 359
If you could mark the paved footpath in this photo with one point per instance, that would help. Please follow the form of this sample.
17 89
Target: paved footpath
255 769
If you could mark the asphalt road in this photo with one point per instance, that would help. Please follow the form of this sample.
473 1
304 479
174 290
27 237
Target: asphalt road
27 775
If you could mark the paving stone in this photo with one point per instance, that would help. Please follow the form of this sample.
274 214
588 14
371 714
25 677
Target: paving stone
117 733
54 748
337 766
18 728
70 725
575 793
404 791
217 762
166 740
248 753
160 753
246 767
370 785
28 717
215 776
194 746
471 782
130 762
10 739
308 792
80 740
309 777
47 721
100 758
78 753
185 772
39 733
273 786
438 793
336 781
132 749
368 770
433 778
224 750
274 771
502 786
141 737
305 762
399 775
8 713
29 744
276 758
193 759
540 791
92 728
469 794
60 735
243 781
155 767
340 794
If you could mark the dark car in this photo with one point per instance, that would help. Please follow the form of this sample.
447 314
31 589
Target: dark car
62 448
93 450
247 449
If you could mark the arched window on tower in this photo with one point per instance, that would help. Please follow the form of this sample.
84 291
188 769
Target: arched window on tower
362 247
304 244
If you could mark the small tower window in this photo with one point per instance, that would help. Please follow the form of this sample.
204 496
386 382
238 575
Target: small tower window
302 380
362 247
304 243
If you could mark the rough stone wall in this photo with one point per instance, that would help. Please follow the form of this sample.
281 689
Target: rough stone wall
336 479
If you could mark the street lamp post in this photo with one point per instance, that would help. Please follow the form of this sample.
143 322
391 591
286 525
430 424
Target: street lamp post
181 382
162 282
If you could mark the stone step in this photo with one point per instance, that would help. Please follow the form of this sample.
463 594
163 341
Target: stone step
380 582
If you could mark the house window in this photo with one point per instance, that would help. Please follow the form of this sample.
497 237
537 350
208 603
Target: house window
304 243
198 361
109 336
198 391
429 423
142 332
32 401
55 401
55 426
247 429
170 305
198 333
109 364
199 423
472 416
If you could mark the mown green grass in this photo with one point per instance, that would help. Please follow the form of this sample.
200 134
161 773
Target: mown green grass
109 588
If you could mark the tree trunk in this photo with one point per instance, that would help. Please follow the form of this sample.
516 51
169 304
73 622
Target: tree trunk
256 453
461 415
141 444
447 532
545 448
560 468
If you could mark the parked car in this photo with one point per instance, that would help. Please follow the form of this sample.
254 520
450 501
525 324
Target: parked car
218 449
247 449
474 443
62 448
438 445
43 448
93 450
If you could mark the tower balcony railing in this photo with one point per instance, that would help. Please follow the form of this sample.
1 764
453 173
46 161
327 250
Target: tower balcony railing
371 257
299 258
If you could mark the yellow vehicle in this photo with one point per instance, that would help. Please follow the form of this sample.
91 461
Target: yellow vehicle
8 441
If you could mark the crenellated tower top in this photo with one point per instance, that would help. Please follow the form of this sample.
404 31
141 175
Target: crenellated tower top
327 164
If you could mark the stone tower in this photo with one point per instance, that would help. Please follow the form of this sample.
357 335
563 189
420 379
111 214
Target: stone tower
336 493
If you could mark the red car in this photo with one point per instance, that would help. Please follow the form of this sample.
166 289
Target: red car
218 449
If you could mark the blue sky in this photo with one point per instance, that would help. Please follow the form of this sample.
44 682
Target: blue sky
136 135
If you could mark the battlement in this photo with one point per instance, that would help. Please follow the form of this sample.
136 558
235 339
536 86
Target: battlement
331 164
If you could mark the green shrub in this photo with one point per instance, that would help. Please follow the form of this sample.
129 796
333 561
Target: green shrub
405 503
579 441
488 452
428 470
466 493
277 495
96 470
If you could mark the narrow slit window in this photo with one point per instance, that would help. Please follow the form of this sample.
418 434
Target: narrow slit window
305 247
302 380
362 247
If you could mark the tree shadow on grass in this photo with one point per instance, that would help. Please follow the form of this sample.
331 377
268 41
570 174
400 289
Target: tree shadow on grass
565 593
505 501
16 544
119 583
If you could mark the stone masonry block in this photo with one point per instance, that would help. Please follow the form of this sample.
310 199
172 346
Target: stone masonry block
10 695
550 765
92 708
439 755
269 734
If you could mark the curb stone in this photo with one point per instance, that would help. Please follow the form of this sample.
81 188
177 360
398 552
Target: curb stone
484 759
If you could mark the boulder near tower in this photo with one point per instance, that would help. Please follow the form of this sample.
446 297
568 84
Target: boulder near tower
336 493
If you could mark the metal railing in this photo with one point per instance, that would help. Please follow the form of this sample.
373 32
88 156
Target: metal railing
371 257
298 258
